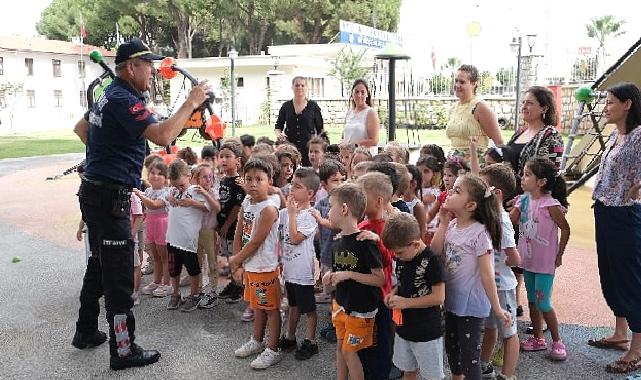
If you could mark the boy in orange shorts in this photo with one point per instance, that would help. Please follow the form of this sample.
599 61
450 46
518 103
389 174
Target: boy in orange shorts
358 275
254 247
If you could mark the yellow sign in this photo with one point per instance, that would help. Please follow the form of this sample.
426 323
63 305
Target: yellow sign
473 29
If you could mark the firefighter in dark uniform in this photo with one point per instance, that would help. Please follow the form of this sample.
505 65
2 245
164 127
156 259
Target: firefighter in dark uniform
115 133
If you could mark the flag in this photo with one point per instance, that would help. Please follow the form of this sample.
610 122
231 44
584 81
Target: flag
83 31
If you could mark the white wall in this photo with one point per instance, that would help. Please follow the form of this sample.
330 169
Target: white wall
45 115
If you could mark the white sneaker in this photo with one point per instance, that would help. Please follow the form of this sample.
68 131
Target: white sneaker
149 289
266 359
249 348
163 291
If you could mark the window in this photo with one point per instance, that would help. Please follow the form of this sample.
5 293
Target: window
28 64
240 82
81 69
1 66
31 98
57 70
315 87
57 98
83 99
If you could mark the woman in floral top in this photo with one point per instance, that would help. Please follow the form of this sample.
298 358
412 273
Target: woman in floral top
617 214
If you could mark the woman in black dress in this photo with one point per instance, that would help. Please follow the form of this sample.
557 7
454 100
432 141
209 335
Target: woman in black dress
299 119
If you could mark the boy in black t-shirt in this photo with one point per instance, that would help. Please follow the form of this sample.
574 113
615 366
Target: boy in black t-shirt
231 197
416 301
358 275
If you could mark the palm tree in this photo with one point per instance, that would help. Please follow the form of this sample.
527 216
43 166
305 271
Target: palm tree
601 28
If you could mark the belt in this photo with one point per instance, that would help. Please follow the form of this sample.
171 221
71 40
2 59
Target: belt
107 184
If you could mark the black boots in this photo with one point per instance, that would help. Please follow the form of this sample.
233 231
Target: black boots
138 358
82 341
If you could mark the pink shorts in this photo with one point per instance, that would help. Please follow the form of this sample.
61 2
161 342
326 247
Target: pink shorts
156 229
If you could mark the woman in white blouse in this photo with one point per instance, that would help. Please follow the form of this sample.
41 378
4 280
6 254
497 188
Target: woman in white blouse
361 122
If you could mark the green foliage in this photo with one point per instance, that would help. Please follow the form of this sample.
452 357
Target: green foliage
600 28
485 82
440 84
507 76
348 66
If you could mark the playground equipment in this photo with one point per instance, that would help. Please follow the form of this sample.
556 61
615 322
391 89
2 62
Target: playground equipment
581 161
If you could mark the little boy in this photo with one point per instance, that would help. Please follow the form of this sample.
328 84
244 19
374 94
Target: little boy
231 195
248 142
297 228
357 275
391 172
316 150
501 177
416 300
255 248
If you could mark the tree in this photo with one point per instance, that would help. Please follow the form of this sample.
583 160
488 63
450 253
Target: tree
452 64
10 93
348 66
601 28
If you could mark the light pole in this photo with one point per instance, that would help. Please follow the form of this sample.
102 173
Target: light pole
233 54
516 45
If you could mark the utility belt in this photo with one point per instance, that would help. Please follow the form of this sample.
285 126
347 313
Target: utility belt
116 195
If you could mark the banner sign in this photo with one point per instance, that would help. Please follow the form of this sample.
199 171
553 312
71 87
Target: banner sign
358 34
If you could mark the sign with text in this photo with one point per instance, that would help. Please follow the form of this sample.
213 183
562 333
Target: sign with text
359 34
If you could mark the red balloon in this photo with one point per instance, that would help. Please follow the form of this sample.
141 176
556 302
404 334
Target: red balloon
166 68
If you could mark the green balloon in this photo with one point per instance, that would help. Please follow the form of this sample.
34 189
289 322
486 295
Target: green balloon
16 259
583 94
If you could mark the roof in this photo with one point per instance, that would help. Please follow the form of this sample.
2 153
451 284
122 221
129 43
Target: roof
34 44
625 69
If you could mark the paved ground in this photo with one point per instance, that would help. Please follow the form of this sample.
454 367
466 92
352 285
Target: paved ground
39 300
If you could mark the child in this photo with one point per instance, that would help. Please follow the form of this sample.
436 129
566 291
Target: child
317 147
493 155
501 177
540 214
357 275
466 244
416 300
390 170
255 248
209 155
430 170
361 154
413 196
297 228
346 153
188 155
231 197
398 153
156 228
207 237
288 159
136 216
434 151
451 171
248 142
186 210
360 169
378 189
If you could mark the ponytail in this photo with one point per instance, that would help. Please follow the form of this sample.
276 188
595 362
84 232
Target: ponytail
543 168
488 209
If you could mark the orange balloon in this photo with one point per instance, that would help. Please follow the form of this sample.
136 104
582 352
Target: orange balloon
166 71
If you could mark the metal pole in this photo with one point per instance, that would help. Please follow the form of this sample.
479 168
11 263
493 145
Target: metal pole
391 102
518 88
233 100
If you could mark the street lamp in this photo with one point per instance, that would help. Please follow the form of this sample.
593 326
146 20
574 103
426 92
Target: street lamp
516 46
392 53
233 54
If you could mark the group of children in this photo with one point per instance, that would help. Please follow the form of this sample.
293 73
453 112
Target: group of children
397 249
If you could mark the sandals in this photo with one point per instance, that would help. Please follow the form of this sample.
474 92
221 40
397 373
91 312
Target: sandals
620 345
623 366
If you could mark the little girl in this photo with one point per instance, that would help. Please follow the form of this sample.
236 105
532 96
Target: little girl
156 228
540 212
413 195
431 173
204 176
467 244
451 171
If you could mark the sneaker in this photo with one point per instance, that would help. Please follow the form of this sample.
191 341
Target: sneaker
208 300
190 303
149 289
230 291
519 311
307 350
250 347
328 334
163 291
534 344
248 315
558 351
285 344
266 359
136 297
174 302
497 356
487 371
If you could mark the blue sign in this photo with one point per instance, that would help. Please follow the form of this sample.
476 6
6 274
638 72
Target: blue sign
358 34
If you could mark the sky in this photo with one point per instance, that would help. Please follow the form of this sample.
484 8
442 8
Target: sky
441 26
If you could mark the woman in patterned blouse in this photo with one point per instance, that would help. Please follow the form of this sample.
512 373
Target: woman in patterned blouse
617 214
